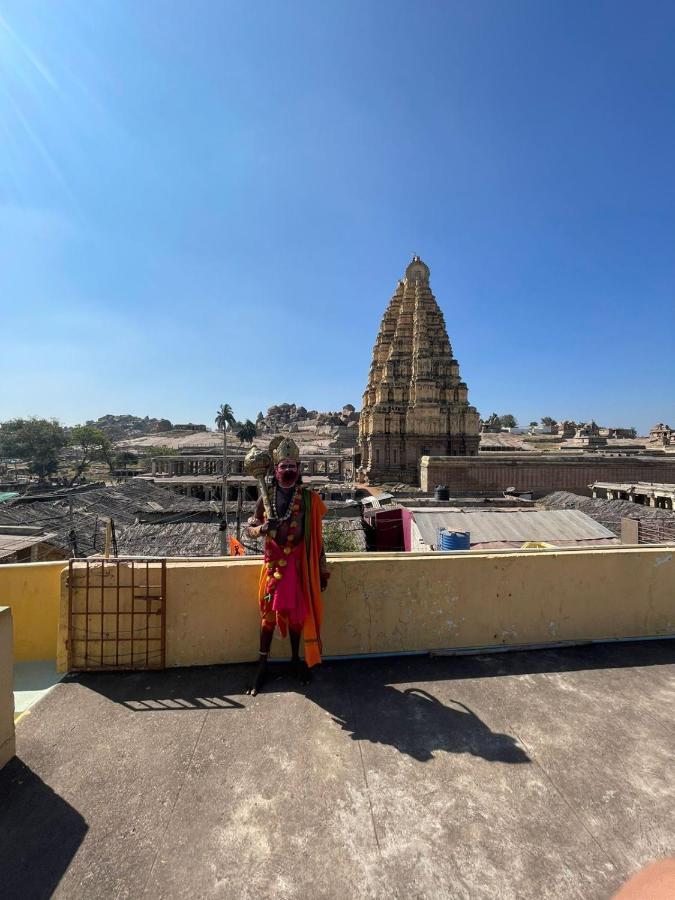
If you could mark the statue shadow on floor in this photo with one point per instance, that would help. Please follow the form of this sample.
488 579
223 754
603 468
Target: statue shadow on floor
360 698
417 724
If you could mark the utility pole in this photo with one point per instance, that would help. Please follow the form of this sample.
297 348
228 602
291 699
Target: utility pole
240 502
72 535
223 523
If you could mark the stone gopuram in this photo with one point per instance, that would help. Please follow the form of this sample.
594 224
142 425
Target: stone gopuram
415 403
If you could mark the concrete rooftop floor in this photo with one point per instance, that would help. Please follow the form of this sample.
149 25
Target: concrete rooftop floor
532 775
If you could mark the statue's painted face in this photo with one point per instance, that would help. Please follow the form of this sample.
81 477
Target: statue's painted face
287 472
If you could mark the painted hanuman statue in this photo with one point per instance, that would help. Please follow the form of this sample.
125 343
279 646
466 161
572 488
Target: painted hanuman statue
294 572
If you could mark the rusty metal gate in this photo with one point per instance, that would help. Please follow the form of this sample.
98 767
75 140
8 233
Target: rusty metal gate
116 614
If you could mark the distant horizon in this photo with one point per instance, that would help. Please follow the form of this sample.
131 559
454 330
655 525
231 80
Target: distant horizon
212 427
215 204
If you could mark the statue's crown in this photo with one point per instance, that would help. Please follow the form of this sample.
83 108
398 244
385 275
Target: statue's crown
285 449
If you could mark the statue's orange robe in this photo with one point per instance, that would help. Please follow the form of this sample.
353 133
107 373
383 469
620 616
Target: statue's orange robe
314 509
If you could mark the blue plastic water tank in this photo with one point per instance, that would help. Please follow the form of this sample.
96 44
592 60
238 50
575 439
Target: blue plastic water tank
453 540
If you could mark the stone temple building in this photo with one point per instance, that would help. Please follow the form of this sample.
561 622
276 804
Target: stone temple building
415 403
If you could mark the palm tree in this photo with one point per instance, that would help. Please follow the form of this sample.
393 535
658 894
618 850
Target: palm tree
224 420
247 432
224 417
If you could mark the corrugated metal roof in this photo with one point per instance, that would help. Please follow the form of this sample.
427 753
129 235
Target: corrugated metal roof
517 526
174 539
608 512
12 543
125 503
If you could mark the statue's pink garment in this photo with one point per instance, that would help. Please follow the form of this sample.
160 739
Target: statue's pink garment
289 597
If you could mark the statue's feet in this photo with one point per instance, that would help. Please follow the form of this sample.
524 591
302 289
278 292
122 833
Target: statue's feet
301 671
259 679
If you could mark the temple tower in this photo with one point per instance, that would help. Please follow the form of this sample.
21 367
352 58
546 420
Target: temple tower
415 403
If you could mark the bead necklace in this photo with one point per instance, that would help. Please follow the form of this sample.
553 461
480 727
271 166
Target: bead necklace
275 567
291 503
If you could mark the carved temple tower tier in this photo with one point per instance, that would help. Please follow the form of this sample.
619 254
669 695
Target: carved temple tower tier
415 403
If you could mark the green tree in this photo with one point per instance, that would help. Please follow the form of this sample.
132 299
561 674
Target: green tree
508 421
89 444
533 424
122 460
547 420
247 432
224 417
337 539
108 455
37 441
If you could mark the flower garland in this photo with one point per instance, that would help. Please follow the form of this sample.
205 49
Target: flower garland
275 567
289 510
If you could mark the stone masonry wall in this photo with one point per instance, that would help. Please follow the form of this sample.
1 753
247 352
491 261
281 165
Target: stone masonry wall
541 476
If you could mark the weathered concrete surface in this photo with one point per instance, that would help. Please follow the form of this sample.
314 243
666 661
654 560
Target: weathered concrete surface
7 744
546 774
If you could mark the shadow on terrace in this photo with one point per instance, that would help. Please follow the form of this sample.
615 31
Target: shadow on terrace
175 783
363 698
38 844
541 773
358 697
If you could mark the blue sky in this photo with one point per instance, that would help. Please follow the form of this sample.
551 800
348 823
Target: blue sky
207 202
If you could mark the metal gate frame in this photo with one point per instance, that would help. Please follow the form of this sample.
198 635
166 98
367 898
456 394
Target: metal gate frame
100 636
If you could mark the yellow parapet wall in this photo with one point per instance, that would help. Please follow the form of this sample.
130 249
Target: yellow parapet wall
221 597
471 600
407 602
32 590
402 602
7 743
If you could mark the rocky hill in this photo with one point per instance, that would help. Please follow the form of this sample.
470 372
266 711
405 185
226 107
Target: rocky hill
126 426
285 416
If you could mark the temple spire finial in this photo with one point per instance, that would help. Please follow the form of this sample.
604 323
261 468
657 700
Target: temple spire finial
417 270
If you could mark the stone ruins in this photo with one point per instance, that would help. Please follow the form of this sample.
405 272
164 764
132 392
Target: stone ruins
415 403
662 435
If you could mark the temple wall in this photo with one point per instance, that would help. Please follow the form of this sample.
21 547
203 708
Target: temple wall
541 475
